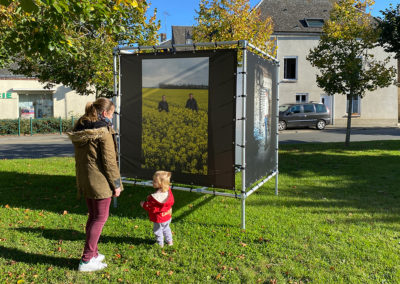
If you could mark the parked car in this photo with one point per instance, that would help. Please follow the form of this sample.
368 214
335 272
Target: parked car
304 114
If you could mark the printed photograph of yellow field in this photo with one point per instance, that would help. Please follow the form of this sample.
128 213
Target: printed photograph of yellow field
175 115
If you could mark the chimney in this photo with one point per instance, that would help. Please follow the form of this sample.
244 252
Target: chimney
163 37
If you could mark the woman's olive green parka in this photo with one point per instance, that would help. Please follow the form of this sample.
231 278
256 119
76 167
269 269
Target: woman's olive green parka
97 171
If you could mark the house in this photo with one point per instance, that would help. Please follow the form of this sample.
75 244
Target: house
26 97
297 29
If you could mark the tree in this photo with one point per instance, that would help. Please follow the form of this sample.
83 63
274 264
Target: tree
231 20
389 27
344 55
70 42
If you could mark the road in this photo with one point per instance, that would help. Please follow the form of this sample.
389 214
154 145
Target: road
43 146
333 134
37 146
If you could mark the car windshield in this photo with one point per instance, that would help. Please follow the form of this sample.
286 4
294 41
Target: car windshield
283 107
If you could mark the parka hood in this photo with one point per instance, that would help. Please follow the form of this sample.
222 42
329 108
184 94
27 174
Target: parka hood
84 136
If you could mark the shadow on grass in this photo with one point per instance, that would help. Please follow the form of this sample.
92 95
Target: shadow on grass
58 193
339 146
73 235
33 258
182 216
330 176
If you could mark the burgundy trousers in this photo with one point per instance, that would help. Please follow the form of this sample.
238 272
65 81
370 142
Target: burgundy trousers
98 215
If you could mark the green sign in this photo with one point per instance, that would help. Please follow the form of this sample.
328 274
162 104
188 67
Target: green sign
5 96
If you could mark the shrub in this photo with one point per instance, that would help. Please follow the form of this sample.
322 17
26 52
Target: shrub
39 126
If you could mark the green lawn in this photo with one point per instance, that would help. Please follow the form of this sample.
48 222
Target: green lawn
336 220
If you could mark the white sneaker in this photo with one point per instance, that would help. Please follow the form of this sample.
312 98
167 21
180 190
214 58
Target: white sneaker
91 265
100 257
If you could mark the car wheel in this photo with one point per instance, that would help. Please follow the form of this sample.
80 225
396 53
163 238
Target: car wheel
281 125
321 124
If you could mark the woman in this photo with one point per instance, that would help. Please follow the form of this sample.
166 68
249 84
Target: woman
97 173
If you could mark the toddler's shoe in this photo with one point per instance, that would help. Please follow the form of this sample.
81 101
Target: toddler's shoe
170 243
91 265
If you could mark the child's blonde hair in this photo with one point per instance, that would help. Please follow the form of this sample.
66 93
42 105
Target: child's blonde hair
161 180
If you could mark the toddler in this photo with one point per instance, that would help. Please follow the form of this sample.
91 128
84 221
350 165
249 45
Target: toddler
159 205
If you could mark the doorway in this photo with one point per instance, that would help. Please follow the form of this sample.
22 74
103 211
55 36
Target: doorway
328 101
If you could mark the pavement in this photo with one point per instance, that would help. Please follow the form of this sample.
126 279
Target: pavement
55 145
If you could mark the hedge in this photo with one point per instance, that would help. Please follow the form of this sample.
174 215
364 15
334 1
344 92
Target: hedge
35 126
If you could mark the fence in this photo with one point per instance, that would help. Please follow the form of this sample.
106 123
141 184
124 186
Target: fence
35 126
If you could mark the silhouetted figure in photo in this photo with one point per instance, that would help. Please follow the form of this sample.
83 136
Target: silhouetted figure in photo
163 105
191 103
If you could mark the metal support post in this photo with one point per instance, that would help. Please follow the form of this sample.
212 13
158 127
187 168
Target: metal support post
243 44
115 101
203 190
118 120
277 129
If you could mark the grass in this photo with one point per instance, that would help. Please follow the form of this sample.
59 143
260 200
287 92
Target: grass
336 220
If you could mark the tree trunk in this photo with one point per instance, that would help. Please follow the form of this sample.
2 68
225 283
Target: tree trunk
349 112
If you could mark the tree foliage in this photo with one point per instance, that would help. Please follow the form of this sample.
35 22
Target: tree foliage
231 20
344 54
70 42
389 27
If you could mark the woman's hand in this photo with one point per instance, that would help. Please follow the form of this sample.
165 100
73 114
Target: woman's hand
117 192
141 203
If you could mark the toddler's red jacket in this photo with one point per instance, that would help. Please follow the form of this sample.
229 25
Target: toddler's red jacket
157 210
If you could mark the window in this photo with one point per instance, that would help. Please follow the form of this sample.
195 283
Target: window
308 108
35 105
314 23
302 98
356 106
320 108
295 109
290 68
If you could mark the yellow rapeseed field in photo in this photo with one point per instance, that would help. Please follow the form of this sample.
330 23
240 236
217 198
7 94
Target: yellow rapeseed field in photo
176 140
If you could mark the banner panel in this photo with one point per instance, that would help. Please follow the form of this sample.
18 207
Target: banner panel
177 113
260 118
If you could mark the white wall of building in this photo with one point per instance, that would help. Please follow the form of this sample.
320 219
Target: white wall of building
299 47
66 102
378 108
8 106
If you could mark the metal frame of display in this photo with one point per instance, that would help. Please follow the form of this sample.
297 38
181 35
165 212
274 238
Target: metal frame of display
243 45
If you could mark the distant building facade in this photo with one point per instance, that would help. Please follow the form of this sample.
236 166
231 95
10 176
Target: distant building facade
297 29
25 97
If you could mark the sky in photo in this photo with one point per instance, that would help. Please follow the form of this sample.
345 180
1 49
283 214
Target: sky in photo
183 12
179 71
